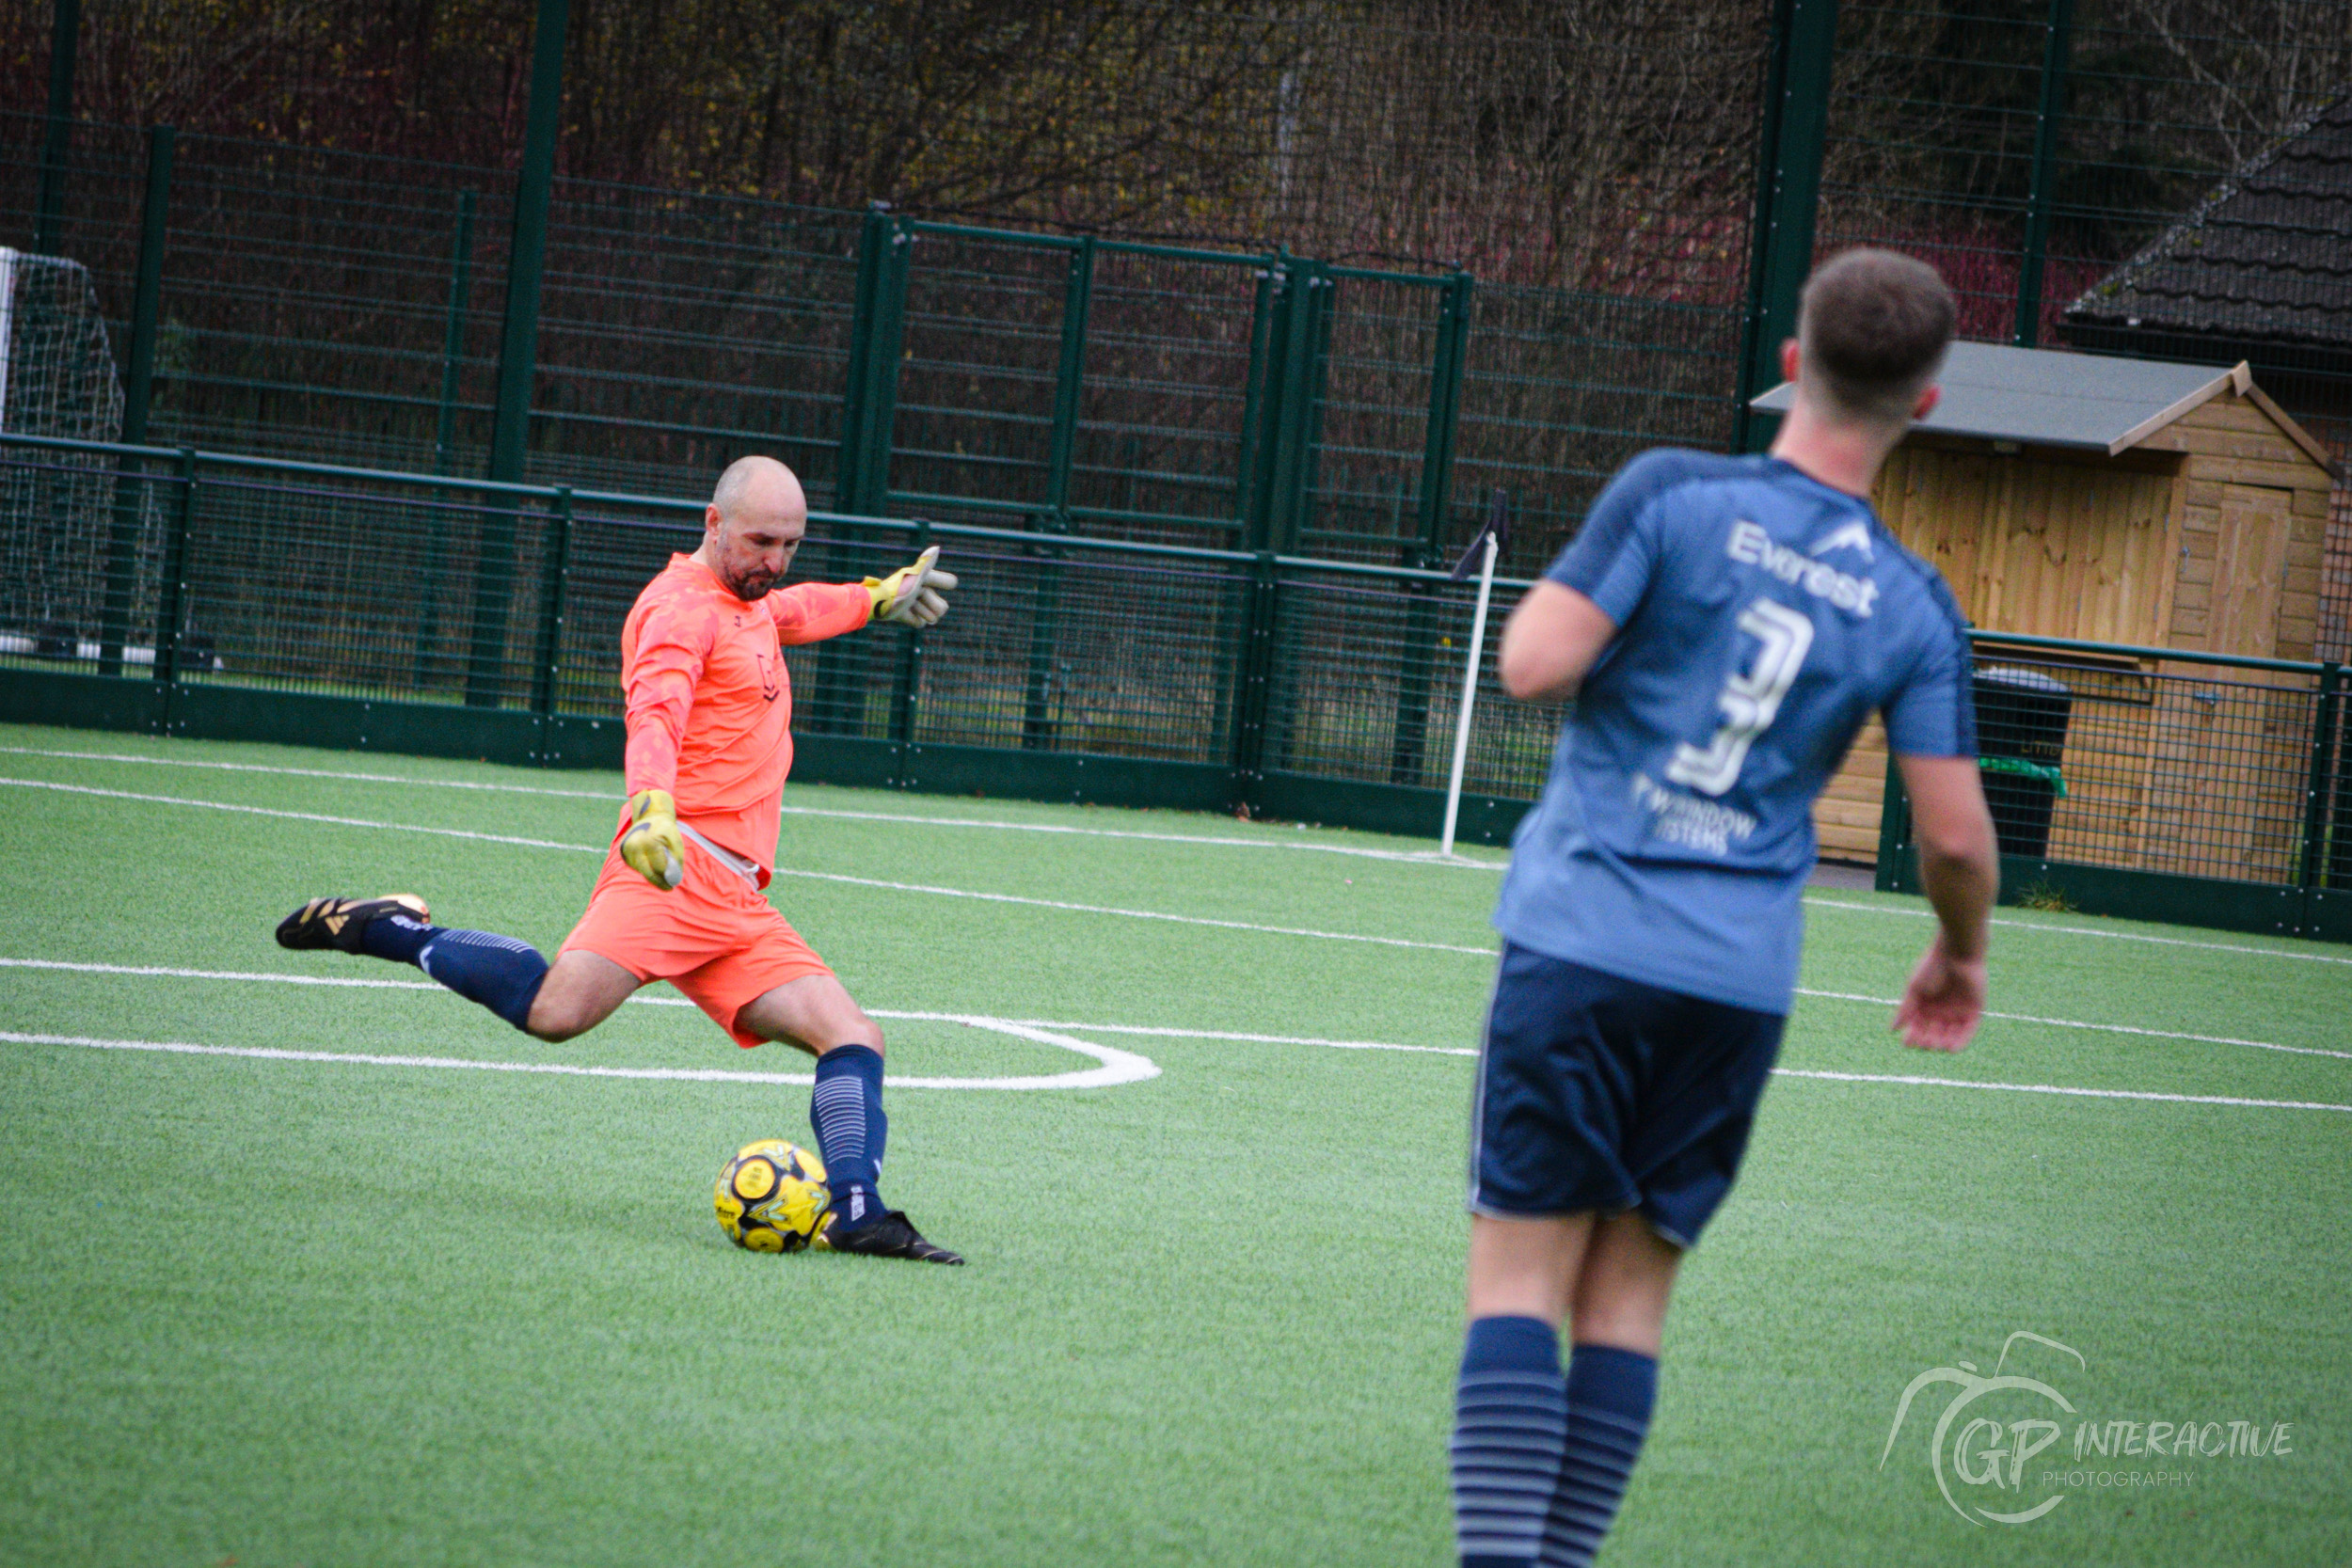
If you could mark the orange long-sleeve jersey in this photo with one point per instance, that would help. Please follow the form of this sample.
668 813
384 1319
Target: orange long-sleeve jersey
709 706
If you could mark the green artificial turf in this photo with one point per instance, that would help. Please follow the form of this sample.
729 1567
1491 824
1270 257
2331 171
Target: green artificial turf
304 1312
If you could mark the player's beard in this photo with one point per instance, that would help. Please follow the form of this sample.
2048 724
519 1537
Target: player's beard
750 586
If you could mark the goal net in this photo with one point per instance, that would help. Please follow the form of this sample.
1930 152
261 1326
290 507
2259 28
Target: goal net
57 507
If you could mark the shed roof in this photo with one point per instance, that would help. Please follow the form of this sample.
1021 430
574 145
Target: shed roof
2263 260
2054 399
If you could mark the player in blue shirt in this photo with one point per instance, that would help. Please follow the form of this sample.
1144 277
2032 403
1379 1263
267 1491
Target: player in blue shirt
1725 625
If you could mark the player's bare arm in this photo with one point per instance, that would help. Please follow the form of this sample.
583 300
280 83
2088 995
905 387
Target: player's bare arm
1551 642
1960 870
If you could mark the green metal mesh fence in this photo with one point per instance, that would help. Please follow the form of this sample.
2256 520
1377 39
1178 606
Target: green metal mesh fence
346 308
441 594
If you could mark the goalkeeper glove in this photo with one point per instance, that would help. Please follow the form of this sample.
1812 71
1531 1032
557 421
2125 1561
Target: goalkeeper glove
911 595
653 847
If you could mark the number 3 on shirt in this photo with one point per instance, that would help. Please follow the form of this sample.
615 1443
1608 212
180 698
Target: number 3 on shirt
1749 702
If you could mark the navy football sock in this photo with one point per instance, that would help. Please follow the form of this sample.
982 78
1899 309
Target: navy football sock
1611 1394
1510 1412
846 1109
397 937
499 973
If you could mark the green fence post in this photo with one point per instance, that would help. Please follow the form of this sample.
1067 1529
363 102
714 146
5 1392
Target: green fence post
2055 44
444 439
122 543
1894 867
1037 720
171 589
1297 405
857 396
1788 190
555 572
65 36
1252 665
518 347
870 407
2321 783
1418 652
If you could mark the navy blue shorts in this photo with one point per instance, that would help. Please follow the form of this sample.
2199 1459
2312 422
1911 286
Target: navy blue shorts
1596 1092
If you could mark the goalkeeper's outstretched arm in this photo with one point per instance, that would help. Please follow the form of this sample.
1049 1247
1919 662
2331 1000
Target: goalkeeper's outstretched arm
914 595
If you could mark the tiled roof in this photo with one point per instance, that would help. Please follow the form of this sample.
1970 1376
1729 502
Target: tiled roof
2266 259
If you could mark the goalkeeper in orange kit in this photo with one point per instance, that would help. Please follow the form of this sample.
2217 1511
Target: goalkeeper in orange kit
709 713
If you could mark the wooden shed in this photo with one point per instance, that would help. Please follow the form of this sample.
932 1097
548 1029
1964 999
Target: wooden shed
2109 500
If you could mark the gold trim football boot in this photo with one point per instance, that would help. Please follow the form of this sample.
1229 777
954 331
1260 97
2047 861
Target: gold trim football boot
340 923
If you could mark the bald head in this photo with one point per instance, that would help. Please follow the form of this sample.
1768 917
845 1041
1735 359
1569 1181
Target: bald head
755 519
757 484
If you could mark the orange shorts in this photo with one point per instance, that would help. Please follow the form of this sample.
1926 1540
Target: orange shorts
714 936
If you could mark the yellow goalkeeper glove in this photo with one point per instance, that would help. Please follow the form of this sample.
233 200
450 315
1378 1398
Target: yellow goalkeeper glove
653 847
912 594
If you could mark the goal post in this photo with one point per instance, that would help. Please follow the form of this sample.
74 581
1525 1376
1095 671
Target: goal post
58 379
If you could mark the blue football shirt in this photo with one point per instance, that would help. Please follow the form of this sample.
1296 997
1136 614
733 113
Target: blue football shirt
1763 617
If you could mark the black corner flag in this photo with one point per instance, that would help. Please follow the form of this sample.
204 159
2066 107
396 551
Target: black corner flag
1499 524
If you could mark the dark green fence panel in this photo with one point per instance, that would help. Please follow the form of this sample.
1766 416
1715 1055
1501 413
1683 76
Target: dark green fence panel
678 332
296 602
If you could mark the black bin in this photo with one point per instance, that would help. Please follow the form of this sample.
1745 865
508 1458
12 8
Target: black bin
2021 734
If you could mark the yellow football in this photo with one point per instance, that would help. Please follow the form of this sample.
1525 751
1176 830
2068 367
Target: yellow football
772 1197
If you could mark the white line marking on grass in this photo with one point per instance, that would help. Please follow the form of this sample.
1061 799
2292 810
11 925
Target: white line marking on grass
2105 1028
521 842
1117 1066
1417 857
1142 1029
640 999
2088 931
1409 857
307 816
1134 915
2059 1089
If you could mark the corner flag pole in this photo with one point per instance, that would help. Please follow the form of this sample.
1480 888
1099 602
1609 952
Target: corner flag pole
1489 545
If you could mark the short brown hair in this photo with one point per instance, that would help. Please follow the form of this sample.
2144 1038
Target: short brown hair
1872 327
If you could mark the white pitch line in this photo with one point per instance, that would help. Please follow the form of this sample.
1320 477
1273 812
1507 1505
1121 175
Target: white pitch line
169 971
2059 1089
2104 1028
1117 1066
1120 1067
781 871
1416 857
2087 931
1094 908
1134 915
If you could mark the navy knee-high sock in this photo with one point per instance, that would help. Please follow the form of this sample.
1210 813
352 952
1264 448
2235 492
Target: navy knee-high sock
845 1109
1510 1416
501 973
1611 1394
